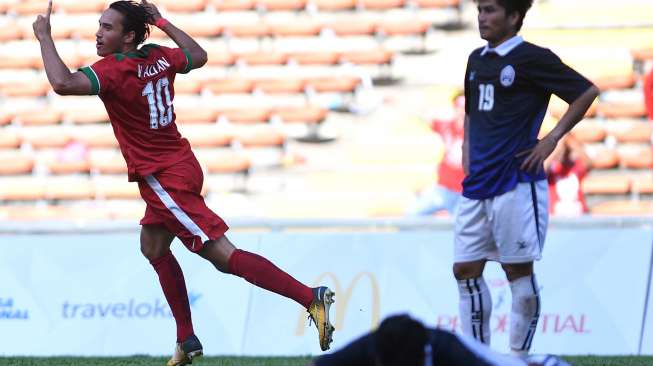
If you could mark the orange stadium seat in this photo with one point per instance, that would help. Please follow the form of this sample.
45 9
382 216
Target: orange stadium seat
333 84
9 139
10 32
640 157
83 7
86 115
315 58
73 61
17 62
643 54
642 183
31 7
262 58
623 208
427 4
113 164
558 108
207 136
226 162
233 5
621 110
589 131
247 30
45 138
186 6
35 88
334 5
616 82
116 188
370 57
199 28
220 58
230 86
61 167
245 115
381 4
296 29
605 158
305 114
187 86
282 5
606 184
635 132
16 163
195 115
22 189
69 189
95 137
5 117
345 28
261 137
46 116
403 28
279 86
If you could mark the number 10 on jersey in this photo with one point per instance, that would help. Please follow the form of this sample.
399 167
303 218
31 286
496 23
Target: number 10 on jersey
160 108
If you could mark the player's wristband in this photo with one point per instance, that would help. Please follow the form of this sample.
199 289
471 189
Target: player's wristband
161 22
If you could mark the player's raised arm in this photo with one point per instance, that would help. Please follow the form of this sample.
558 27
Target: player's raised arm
181 38
62 80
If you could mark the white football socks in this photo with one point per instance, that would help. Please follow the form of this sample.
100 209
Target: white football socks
475 308
525 314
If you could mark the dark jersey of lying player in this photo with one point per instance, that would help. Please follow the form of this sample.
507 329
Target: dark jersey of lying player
507 91
442 349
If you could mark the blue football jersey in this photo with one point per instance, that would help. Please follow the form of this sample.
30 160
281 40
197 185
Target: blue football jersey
507 92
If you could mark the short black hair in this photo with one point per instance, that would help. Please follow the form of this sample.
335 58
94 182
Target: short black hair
135 18
400 341
520 6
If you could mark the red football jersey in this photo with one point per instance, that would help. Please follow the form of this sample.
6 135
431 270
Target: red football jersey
137 91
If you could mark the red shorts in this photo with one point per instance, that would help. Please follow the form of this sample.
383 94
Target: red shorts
174 200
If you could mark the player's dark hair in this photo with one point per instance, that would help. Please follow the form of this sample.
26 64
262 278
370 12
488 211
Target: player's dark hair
400 341
134 18
520 6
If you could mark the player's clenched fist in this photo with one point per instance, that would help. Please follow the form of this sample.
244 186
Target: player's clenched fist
42 23
152 11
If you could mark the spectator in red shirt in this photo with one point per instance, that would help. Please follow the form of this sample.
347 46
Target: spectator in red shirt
566 168
446 193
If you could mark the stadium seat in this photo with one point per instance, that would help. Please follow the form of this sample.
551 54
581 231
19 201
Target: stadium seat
31 7
15 163
17 62
5 117
262 58
279 86
334 5
230 86
62 167
642 54
642 183
344 28
83 7
46 116
86 115
630 131
616 82
282 5
259 137
199 27
621 110
34 88
623 208
225 162
247 30
187 86
315 58
604 158
381 4
22 189
430 4
115 188
606 184
588 131
44 138
203 136
304 114
10 32
186 6
333 84
636 157
370 57
233 5
195 115
403 28
69 188
100 136
113 163
9 139
245 115
220 58
296 29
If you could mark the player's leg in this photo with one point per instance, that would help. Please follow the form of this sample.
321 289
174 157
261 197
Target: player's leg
155 246
473 245
262 273
520 226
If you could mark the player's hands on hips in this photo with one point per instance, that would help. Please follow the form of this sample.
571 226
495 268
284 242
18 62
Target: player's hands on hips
536 156
42 24
152 11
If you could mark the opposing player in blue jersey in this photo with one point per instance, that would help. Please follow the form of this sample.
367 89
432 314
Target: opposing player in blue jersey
503 213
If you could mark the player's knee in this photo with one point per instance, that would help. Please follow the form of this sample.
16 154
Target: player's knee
463 271
517 270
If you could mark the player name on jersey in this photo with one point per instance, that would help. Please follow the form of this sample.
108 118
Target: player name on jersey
147 71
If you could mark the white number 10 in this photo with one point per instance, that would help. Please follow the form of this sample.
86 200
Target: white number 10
486 97
160 114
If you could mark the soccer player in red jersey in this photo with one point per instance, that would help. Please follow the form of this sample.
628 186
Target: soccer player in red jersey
136 86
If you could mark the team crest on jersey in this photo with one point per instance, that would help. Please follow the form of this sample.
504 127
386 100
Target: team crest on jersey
507 76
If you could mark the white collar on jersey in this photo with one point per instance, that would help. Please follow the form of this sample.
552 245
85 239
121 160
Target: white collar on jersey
504 48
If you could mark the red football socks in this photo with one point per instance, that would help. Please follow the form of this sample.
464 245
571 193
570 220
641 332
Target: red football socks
262 273
174 288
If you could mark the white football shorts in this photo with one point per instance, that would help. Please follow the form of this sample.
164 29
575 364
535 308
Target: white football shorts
509 228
